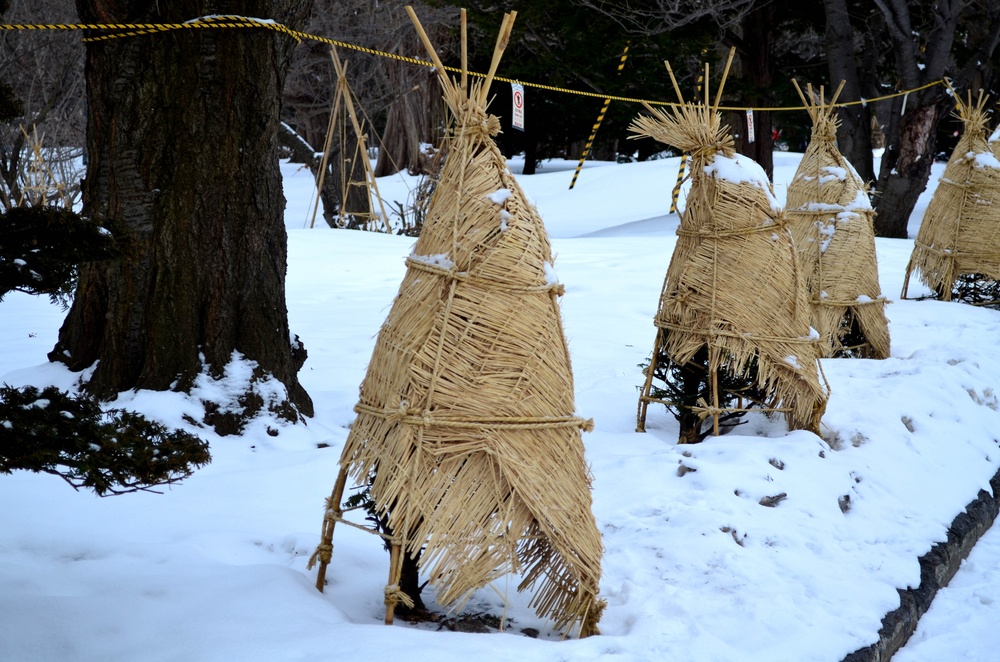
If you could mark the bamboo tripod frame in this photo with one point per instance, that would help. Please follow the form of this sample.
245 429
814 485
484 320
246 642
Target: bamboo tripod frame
344 97
334 511
645 398
734 258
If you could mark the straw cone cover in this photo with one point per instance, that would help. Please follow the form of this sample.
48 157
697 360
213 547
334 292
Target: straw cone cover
466 416
830 216
734 281
960 232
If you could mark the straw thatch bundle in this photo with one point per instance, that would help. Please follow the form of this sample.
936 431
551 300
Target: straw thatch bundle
466 418
733 284
830 216
960 233
994 142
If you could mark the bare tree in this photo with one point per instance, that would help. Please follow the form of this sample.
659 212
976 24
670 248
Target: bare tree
397 100
45 68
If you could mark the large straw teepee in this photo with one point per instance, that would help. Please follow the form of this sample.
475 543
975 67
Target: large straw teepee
733 292
830 216
957 250
466 425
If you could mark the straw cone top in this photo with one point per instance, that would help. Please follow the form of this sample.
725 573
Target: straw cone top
960 231
830 216
466 417
733 282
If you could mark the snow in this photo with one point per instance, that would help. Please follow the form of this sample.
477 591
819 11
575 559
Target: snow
500 196
739 169
441 260
695 567
987 160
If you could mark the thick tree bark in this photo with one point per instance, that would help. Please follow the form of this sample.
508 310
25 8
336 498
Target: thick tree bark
854 136
906 167
911 132
182 144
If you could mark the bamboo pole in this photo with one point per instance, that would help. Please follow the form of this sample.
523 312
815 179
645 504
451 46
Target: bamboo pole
502 40
333 511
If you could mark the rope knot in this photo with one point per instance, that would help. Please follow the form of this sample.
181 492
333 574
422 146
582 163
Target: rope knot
394 595
476 122
400 412
323 554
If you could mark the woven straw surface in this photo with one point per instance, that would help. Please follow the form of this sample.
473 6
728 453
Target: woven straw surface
830 216
733 282
960 232
466 415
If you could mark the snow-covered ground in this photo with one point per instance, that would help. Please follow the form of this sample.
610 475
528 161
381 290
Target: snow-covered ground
694 567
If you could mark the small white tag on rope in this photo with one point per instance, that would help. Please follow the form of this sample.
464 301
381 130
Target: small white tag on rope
517 111
750 131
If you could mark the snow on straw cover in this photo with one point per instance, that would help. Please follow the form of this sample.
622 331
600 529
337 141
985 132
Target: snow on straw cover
960 232
830 216
733 282
466 417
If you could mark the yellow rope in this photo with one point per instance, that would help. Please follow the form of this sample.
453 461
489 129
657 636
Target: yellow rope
218 22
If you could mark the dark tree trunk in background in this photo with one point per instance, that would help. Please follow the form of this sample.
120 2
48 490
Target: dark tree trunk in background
906 166
911 131
854 136
182 147
410 120
754 52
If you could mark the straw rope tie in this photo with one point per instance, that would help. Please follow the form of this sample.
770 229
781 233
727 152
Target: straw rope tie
464 276
323 553
777 226
849 304
951 252
394 595
426 419
476 123
721 145
804 340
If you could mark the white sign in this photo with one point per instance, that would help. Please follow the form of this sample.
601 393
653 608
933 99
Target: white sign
749 125
517 113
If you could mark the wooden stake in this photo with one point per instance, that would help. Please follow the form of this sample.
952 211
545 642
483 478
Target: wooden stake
640 421
465 55
329 523
395 572
715 401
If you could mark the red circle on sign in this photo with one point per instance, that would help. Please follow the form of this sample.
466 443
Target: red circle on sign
518 99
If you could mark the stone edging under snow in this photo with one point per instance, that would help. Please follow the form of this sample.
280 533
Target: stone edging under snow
937 567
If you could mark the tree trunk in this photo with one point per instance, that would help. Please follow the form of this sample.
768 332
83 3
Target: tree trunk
854 136
183 153
755 57
906 167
